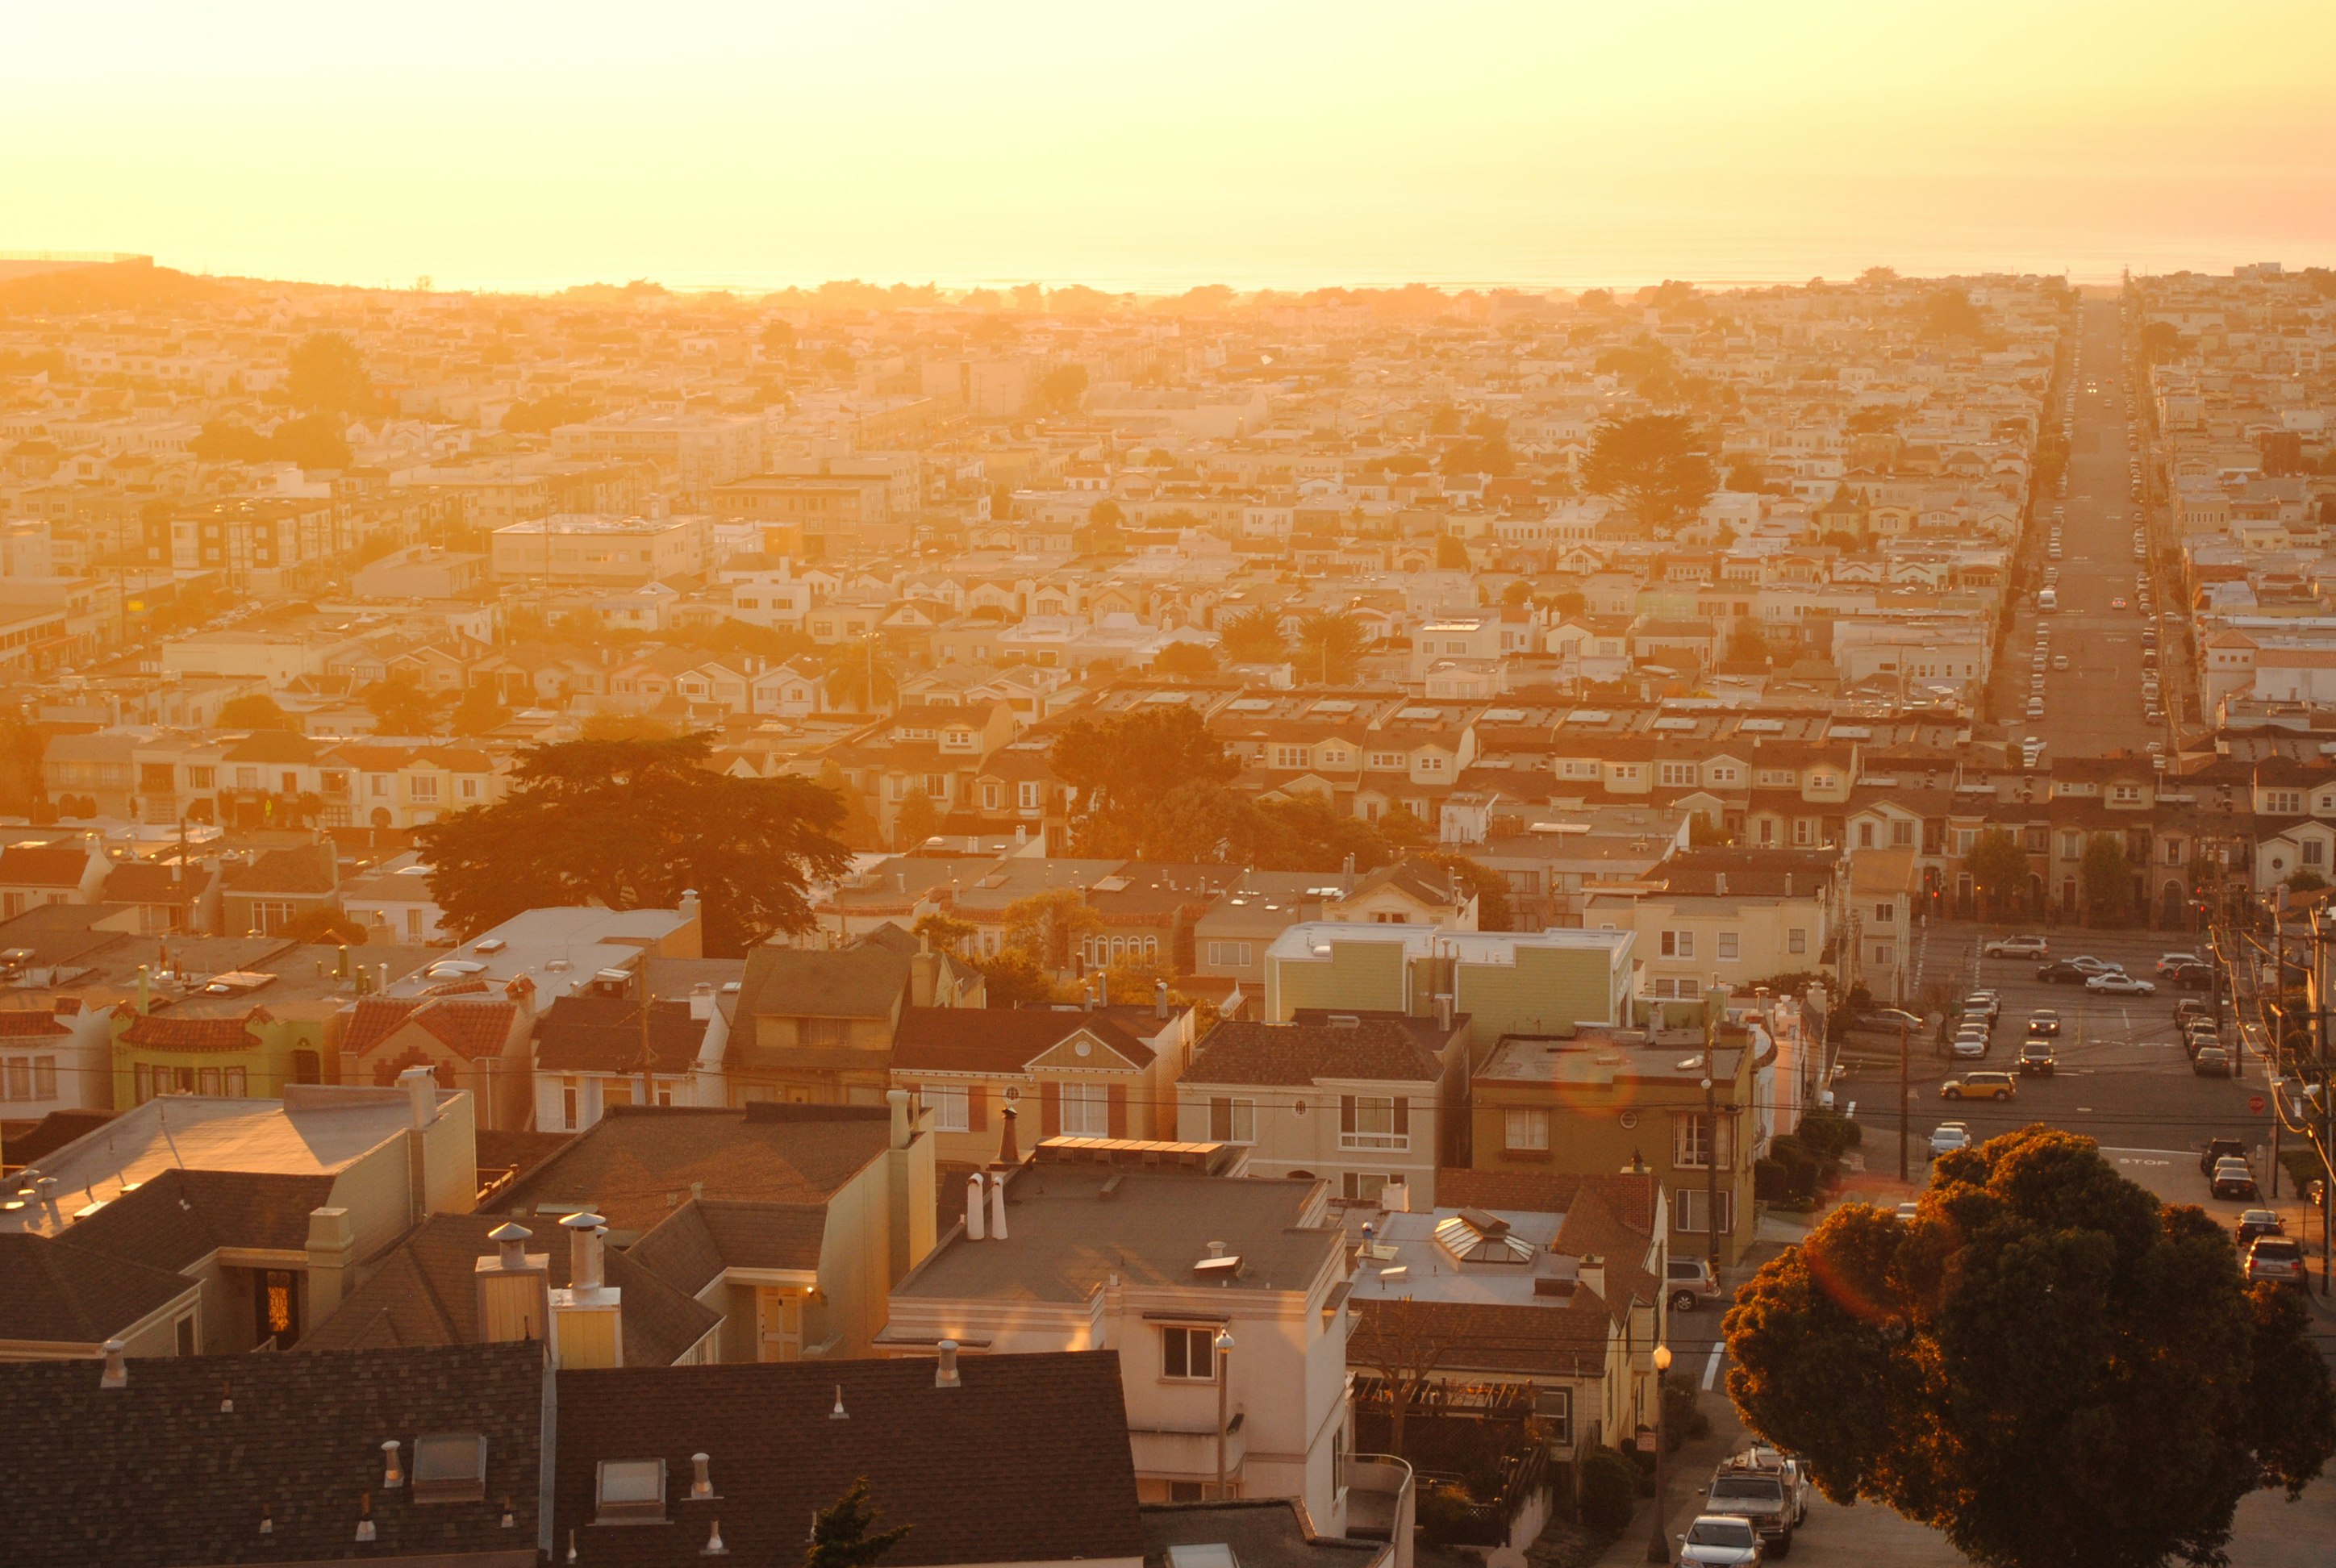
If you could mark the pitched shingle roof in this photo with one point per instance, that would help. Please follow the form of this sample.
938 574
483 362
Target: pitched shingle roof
999 1039
1486 1336
180 1216
634 1156
53 1293
43 865
423 1293
157 1472
1237 1052
704 1236
961 1465
309 869
583 1034
1630 1200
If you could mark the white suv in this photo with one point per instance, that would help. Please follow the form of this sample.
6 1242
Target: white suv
2018 947
1691 1284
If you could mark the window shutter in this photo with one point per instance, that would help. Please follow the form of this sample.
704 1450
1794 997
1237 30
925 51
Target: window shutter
1050 1109
1116 1110
977 1107
1346 1112
1402 1116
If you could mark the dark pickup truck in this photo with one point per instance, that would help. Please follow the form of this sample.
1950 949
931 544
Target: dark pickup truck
1761 1499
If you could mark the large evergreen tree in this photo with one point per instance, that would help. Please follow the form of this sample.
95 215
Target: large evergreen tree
2046 1363
633 824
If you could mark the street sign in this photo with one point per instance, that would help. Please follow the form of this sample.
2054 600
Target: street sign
2255 1103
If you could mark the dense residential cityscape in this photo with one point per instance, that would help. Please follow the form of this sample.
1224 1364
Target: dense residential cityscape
1294 921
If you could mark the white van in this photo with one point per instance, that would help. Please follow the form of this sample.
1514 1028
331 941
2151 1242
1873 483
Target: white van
2047 600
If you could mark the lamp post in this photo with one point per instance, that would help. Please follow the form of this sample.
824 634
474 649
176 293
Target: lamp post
1224 1347
1659 1545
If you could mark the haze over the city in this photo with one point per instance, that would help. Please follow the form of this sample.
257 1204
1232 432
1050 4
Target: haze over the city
1152 149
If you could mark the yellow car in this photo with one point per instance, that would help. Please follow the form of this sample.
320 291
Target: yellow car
1981 1086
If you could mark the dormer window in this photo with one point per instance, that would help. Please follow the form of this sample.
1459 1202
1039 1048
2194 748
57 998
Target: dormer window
450 1467
630 1492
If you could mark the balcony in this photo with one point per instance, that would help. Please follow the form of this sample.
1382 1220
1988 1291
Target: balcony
1395 1143
1381 1503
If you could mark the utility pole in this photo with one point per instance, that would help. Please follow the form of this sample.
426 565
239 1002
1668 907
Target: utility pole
1711 1123
648 1092
1904 1046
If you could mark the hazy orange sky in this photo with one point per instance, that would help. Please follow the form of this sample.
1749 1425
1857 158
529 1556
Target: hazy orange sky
527 145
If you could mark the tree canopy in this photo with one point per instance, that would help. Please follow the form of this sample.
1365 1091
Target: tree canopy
1331 645
1253 637
843 1535
2108 879
1655 465
257 710
1998 868
400 706
2045 1363
633 824
328 377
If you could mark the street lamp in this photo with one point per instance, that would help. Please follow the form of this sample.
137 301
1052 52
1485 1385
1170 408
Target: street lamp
1224 1347
1659 1546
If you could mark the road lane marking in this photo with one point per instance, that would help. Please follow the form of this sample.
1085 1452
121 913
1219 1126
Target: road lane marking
1711 1365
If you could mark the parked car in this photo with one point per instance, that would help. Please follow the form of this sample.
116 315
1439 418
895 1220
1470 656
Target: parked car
2233 1178
2116 985
2210 1062
1758 1497
1970 1041
1797 1484
2190 1007
1983 1005
1887 1020
2017 947
1949 1136
1982 1086
2279 1259
2217 1150
1908 1209
1691 1283
2043 1021
2169 962
2035 1058
2259 1223
1719 1540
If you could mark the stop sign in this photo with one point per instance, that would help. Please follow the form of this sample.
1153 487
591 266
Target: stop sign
2255 1103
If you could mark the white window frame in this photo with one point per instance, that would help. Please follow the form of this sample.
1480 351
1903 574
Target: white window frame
1532 1123
948 1106
1092 1105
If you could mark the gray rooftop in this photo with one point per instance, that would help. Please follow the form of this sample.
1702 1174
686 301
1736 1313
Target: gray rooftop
1069 1227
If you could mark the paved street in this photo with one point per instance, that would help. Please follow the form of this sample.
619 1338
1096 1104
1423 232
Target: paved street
2093 705
2122 1078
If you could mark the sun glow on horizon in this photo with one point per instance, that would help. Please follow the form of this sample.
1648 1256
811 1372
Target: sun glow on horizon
1284 145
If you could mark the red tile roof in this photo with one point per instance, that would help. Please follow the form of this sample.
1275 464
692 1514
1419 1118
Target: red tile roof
43 865
161 1032
27 1023
473 1030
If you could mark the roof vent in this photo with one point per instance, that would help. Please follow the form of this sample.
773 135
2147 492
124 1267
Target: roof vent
117 1370
945 1373
1344 1021
1220 1266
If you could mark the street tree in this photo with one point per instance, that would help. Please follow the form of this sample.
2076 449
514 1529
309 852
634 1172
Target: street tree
1121 765
257 710
2045 1363
1331 645
480 711
915 819
1253 637
1998 868
633 824
1051 927
1655 465
328 377
400 706
2108 879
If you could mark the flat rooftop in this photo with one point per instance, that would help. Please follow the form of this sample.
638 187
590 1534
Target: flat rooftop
1070 1227
1598 1057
